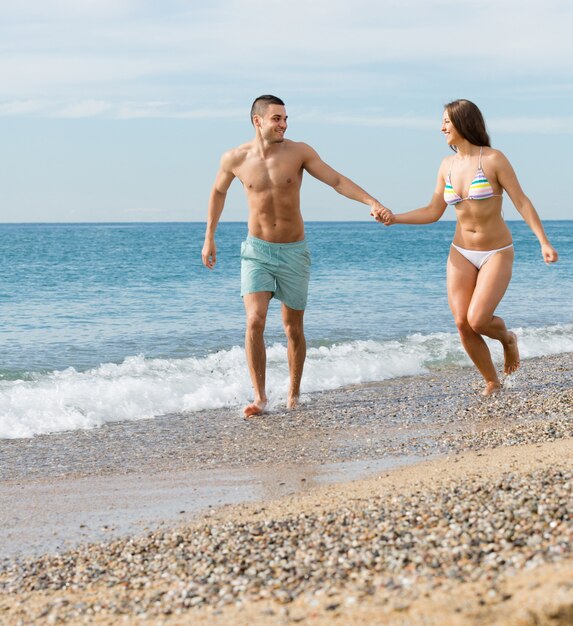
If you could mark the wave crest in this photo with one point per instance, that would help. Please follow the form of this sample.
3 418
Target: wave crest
140 388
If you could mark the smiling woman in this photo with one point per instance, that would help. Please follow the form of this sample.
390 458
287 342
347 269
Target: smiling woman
481 255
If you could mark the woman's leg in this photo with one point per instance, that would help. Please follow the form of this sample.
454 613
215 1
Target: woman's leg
492 282
462 278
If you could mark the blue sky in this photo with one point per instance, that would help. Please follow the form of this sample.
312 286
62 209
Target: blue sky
119 110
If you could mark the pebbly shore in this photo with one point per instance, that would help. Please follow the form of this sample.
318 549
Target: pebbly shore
481 533
422 416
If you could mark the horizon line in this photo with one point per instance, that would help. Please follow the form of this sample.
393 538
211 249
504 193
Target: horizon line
310 221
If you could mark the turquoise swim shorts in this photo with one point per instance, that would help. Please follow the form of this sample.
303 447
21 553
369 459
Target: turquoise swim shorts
281 268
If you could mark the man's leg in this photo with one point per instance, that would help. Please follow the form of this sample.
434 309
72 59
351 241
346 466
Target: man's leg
256 307
296 349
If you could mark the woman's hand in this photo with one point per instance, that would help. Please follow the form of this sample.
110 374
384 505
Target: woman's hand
549 253
381 214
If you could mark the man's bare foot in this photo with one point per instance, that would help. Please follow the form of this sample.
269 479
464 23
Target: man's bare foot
511 355
491 388
292 402
255 408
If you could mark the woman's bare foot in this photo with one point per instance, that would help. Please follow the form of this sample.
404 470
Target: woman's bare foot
491 388
255 408
511 355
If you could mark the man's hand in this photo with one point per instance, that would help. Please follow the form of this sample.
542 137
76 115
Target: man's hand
209 254
381 214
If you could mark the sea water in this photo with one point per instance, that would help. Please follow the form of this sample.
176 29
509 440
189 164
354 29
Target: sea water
108 322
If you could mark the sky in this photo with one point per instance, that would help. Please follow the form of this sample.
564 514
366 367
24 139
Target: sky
119 110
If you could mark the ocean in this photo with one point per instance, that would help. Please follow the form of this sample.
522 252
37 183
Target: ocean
109 322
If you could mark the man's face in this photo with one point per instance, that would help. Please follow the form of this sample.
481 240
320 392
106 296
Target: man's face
273 123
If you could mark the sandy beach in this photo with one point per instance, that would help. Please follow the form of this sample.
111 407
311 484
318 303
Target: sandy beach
412 501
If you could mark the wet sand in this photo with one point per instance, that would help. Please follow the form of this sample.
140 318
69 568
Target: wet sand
127 486
50 516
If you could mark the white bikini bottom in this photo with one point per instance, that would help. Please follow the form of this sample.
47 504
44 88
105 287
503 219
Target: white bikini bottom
478 257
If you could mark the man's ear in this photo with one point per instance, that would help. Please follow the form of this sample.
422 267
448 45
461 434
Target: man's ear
257 121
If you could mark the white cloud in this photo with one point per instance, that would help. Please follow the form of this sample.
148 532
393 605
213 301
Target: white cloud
368 117
58 9
85 108
117 110
533 125
138 110
137 56
20 107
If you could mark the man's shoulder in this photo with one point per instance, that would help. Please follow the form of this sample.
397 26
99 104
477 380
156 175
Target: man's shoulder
299 148
297 145
237 155
240 151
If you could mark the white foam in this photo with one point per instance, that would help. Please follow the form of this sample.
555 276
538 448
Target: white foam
142 388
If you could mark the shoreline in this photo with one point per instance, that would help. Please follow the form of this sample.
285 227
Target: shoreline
424 414
173 469
499 469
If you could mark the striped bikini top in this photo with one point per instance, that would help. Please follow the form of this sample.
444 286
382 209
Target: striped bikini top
480 187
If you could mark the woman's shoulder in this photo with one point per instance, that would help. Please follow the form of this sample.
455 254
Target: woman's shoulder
493 155
495 163
446 164
447 160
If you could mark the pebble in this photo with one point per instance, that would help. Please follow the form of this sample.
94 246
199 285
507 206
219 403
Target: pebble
471 530
421 416
401 544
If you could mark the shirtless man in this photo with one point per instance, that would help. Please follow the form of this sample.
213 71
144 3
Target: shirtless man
275 260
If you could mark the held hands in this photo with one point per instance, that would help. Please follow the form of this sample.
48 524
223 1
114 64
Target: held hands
209 254
549 253
381 214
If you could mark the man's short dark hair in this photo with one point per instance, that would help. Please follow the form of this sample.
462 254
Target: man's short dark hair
261 103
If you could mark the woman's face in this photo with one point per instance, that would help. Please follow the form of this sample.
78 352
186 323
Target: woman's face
450 133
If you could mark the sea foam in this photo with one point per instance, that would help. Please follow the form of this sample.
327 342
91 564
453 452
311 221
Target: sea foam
140 388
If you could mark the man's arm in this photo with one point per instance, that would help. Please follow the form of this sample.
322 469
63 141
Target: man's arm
217 198
316 167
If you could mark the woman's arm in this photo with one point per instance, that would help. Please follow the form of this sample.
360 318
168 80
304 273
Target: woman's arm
508 180
428 214
425 215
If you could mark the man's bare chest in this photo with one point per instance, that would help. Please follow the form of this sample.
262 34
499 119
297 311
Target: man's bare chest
259 176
